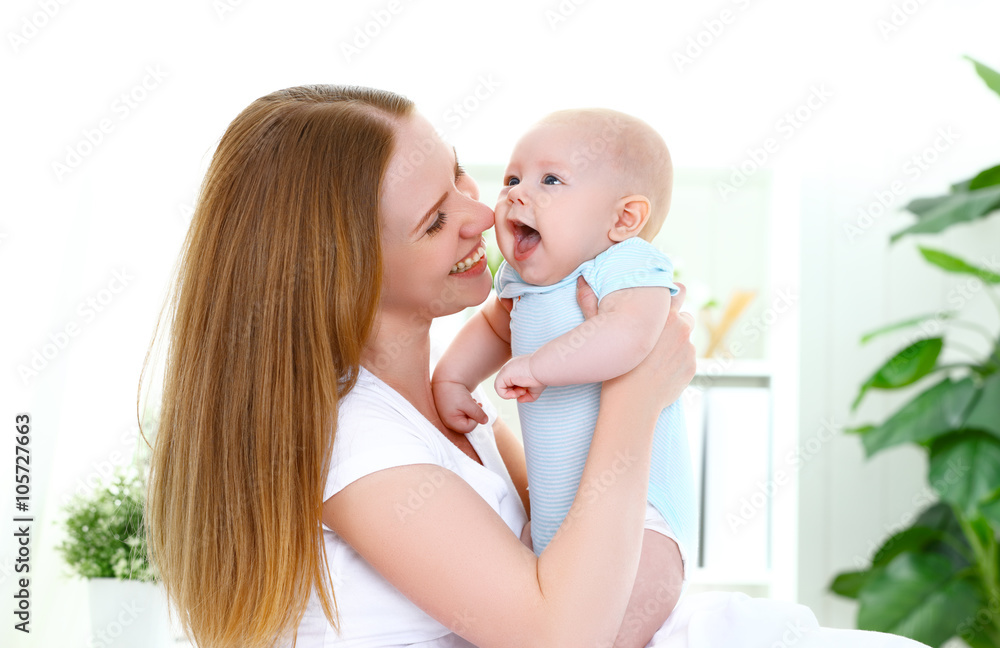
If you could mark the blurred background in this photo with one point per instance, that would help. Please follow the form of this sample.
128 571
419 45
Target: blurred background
799 132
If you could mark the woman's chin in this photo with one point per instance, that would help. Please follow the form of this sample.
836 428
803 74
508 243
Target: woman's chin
456 297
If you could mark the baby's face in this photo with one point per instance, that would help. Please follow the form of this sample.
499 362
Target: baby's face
557 205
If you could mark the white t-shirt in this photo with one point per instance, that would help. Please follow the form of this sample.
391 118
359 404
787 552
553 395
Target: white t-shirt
377 429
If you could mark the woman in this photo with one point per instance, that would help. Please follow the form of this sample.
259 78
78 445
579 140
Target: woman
297 390
300 465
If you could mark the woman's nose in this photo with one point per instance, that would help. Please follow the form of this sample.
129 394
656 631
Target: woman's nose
479 219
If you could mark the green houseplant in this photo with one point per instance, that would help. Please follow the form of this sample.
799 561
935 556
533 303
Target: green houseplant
104 531
939 578
106 544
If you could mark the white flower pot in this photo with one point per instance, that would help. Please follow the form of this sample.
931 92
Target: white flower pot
128 614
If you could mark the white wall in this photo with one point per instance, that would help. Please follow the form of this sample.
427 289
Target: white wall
125 207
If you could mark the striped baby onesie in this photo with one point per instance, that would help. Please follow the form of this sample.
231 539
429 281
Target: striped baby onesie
557 428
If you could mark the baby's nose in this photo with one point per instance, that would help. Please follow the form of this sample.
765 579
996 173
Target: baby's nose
515 195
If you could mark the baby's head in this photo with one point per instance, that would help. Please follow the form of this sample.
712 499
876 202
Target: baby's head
578 182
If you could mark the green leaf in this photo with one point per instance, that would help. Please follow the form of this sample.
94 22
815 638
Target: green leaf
987 74
985 414
917 596
940 516
951 263
976 638
951 210
849 584
988 178
990 508
965 468
922 207
913 539
913 321
980 526
936 411
905 368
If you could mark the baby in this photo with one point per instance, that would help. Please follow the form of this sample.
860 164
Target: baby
584 193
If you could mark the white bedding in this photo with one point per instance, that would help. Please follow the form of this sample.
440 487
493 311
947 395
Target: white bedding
733 620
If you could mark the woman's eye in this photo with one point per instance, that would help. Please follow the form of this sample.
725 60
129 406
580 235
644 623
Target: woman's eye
438 224
511 181
551 179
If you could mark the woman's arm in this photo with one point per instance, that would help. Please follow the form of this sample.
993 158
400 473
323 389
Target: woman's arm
456 558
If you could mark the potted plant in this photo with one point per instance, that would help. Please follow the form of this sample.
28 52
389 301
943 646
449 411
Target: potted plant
105 544
939 578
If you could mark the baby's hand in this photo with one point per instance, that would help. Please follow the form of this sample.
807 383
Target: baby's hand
456 406
515 380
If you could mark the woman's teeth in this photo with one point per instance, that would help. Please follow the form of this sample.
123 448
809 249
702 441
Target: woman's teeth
468 262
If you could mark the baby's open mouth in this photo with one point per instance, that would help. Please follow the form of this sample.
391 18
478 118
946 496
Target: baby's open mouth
525 239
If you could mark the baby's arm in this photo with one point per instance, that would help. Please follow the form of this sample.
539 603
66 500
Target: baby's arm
614 342
479 349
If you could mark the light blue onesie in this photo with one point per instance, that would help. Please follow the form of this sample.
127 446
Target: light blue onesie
557 428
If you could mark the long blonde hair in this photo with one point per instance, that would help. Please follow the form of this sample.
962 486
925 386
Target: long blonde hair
275 295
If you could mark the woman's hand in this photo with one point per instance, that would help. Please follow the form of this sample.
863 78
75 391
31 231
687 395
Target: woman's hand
668 369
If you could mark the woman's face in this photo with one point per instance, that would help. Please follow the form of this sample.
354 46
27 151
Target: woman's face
432 227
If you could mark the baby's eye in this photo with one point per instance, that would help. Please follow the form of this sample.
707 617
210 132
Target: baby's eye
511 181
551 179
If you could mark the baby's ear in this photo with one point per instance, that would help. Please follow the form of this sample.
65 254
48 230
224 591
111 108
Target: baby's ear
631 214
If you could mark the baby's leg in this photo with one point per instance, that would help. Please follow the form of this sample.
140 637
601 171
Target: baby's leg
655 592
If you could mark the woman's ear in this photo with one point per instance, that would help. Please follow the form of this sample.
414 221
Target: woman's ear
631 214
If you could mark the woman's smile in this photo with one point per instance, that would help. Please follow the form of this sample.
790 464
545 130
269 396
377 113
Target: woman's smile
473 264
